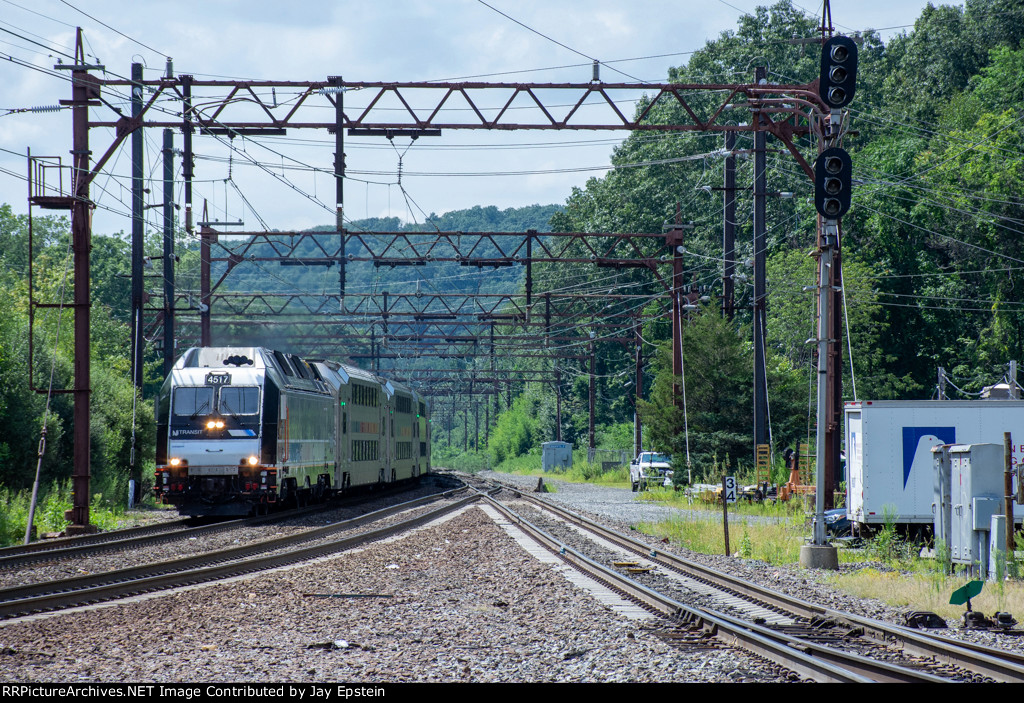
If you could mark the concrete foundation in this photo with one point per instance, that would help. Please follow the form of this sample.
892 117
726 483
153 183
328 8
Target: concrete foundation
819 556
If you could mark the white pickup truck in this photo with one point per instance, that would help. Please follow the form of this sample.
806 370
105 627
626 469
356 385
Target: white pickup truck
650 469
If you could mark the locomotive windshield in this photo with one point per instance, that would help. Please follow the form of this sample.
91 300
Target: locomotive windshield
192 401
239 400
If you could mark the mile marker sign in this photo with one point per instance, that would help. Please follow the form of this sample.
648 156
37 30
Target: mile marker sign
729 487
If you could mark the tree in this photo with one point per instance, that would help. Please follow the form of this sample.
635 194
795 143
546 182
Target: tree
515 432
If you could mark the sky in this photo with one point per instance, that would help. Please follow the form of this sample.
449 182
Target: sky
401 40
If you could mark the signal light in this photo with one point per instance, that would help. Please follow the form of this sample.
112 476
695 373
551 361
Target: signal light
833 183
838 76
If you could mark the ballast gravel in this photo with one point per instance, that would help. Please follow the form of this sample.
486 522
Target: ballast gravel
454 602
458 601
621 510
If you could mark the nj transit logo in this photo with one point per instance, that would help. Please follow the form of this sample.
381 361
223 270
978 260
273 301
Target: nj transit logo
912 437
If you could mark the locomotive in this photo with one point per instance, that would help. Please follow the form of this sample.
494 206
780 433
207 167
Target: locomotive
243 430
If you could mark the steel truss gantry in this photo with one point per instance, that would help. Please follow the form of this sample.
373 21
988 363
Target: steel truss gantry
234 108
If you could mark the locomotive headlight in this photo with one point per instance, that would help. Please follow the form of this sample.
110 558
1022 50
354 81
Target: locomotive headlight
253 460
175 462
215 424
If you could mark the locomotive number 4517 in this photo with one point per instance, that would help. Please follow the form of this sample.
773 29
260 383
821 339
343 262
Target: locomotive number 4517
218 379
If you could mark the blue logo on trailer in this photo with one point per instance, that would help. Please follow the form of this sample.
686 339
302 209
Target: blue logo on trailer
912 437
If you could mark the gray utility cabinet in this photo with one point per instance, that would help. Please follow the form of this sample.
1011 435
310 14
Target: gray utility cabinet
976 494
941 508
556 455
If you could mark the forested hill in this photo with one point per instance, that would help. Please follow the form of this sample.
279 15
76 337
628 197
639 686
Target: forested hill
475 219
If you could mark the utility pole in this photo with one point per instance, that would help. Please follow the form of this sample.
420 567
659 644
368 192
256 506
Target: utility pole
168 153
834 425
339 179
833 183
674 240
186 132
207 236
637 430
558 404
760 258
138 236
138 224
729 229
591 434
168 260
84 90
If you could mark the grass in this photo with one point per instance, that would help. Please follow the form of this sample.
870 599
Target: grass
930 590
685 500
581 470
52 503
776 542
892 570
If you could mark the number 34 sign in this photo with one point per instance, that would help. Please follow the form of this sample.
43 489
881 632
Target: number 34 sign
729 488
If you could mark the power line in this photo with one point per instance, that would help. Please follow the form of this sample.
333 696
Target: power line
131 39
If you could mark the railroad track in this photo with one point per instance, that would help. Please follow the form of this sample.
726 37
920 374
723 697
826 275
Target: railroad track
831 639
136 538
814 642
221 564
9 555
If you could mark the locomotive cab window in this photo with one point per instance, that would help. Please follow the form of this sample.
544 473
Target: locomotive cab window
239 400
190 401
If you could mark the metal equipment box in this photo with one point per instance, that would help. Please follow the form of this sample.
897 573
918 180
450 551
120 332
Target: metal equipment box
942 489
556 456
976 482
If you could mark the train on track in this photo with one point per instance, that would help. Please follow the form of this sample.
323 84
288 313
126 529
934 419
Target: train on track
243 430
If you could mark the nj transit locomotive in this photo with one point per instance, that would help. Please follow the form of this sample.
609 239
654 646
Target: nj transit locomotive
241 430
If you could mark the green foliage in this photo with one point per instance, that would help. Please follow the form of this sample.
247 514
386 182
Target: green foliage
470 461
515 432
886 545
52 504
928 249
746 549
22 412
718 398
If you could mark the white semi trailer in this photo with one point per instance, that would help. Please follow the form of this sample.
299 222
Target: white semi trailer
889 462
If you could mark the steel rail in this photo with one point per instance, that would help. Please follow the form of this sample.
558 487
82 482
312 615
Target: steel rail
48 545
753 638
73 547
996 664
197 569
